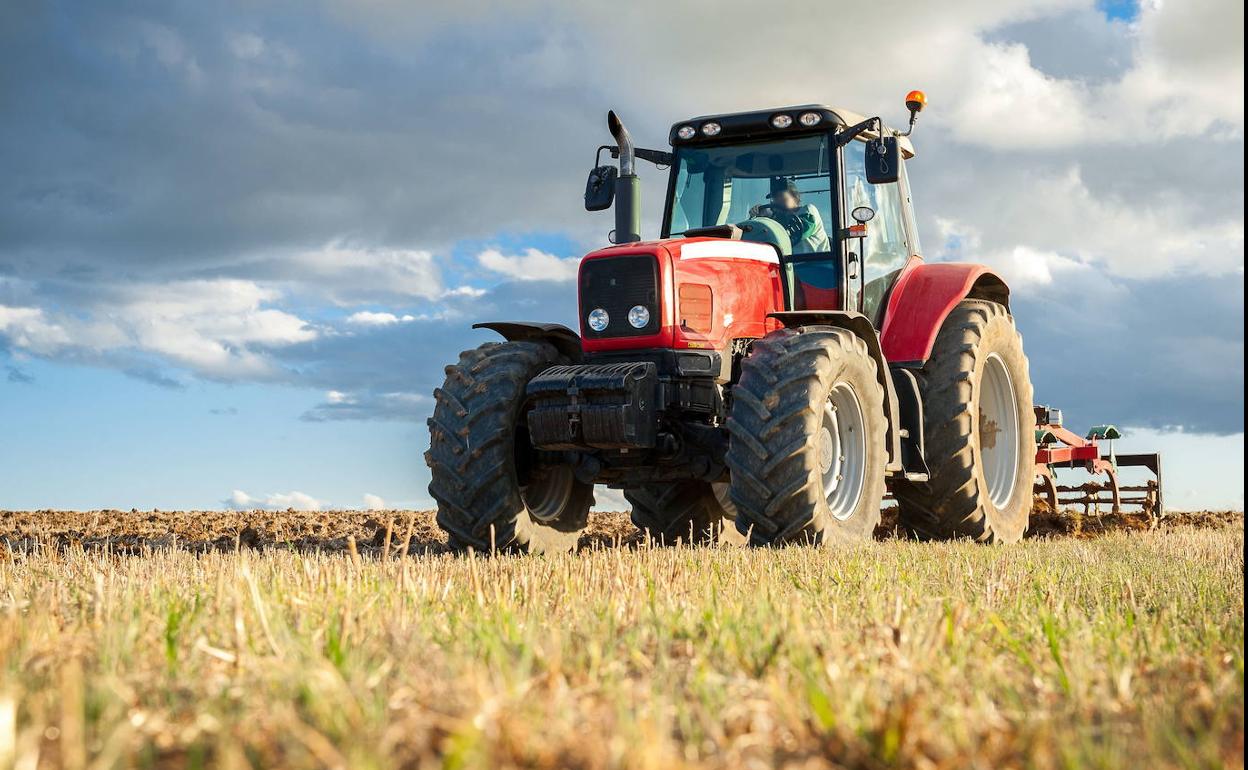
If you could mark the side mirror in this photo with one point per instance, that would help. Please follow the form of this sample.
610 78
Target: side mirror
600 188
883 160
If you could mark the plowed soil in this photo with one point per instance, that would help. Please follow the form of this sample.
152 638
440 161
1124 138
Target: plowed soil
200 531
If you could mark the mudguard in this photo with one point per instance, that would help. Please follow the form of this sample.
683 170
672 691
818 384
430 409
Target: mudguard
922 299
564 339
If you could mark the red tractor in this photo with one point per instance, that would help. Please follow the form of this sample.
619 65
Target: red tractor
781 358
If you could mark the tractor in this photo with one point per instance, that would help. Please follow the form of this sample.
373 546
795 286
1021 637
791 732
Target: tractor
780 359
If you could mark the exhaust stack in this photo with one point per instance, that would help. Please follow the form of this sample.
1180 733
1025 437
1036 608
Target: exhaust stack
627 188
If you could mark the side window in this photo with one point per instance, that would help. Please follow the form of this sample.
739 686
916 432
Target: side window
886 248
690 189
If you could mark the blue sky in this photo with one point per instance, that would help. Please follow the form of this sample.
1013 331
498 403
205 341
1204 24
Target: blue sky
238 242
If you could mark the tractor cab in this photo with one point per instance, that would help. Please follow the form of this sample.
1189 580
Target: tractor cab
798 180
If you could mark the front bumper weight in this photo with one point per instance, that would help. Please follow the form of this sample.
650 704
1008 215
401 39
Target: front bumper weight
594 406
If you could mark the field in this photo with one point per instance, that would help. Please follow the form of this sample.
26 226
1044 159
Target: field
334 640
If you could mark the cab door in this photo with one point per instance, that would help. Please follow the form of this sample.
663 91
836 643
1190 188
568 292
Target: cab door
890 240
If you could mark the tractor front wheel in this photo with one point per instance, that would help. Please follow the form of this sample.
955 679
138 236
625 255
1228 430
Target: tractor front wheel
492 488
680 511
979 429
806 453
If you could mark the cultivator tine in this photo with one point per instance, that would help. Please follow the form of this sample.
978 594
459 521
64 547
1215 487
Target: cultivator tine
1046 488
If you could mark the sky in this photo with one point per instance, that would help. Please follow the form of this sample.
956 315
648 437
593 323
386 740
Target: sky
239 241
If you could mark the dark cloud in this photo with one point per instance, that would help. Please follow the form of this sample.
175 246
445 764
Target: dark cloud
166 138
18 376
389 372
155 377
1160 354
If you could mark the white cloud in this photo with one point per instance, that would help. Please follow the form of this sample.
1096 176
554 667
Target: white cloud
168 47
1189 73
1186 79
247 45
369 318
28 328
532 265
277 501
373 502
217 328
1057 214
1005 102
349 274
1025 269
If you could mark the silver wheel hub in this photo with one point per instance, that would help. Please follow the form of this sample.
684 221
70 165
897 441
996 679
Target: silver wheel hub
842 446
998 431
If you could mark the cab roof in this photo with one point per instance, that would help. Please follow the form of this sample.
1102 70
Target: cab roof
757 125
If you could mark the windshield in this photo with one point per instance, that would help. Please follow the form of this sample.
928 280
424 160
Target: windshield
782 188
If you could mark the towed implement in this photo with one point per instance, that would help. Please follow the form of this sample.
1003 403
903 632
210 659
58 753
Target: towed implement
1057 447
778 360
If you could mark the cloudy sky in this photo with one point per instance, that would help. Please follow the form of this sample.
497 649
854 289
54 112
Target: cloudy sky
239 240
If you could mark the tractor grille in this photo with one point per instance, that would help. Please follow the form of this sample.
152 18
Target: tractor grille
617 284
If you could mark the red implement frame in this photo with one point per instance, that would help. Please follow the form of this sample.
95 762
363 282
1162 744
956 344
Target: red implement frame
1058 447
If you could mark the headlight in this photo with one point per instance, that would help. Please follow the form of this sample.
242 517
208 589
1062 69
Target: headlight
685 132
710 129
781 121
598 319
810 118
639 316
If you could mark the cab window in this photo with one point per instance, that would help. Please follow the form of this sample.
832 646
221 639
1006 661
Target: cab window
786 183
779 192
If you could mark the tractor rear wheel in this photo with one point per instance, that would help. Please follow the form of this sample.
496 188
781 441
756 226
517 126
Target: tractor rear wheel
979 429
806 452
680 511
493 493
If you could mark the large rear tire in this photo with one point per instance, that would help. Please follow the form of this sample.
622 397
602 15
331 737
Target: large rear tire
979 432
806 451
691 511
492 494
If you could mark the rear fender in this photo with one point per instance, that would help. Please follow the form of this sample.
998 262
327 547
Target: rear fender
921 301
566 341
861 327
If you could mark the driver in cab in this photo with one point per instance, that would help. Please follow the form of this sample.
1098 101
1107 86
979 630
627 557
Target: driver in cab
802 223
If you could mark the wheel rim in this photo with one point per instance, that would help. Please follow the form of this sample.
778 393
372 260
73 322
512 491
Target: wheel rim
548 492
842 451
998 431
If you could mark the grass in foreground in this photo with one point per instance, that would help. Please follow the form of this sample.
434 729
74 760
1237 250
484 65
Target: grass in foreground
1126 650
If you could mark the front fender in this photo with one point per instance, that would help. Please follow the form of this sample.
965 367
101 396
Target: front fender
922 299
564 339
